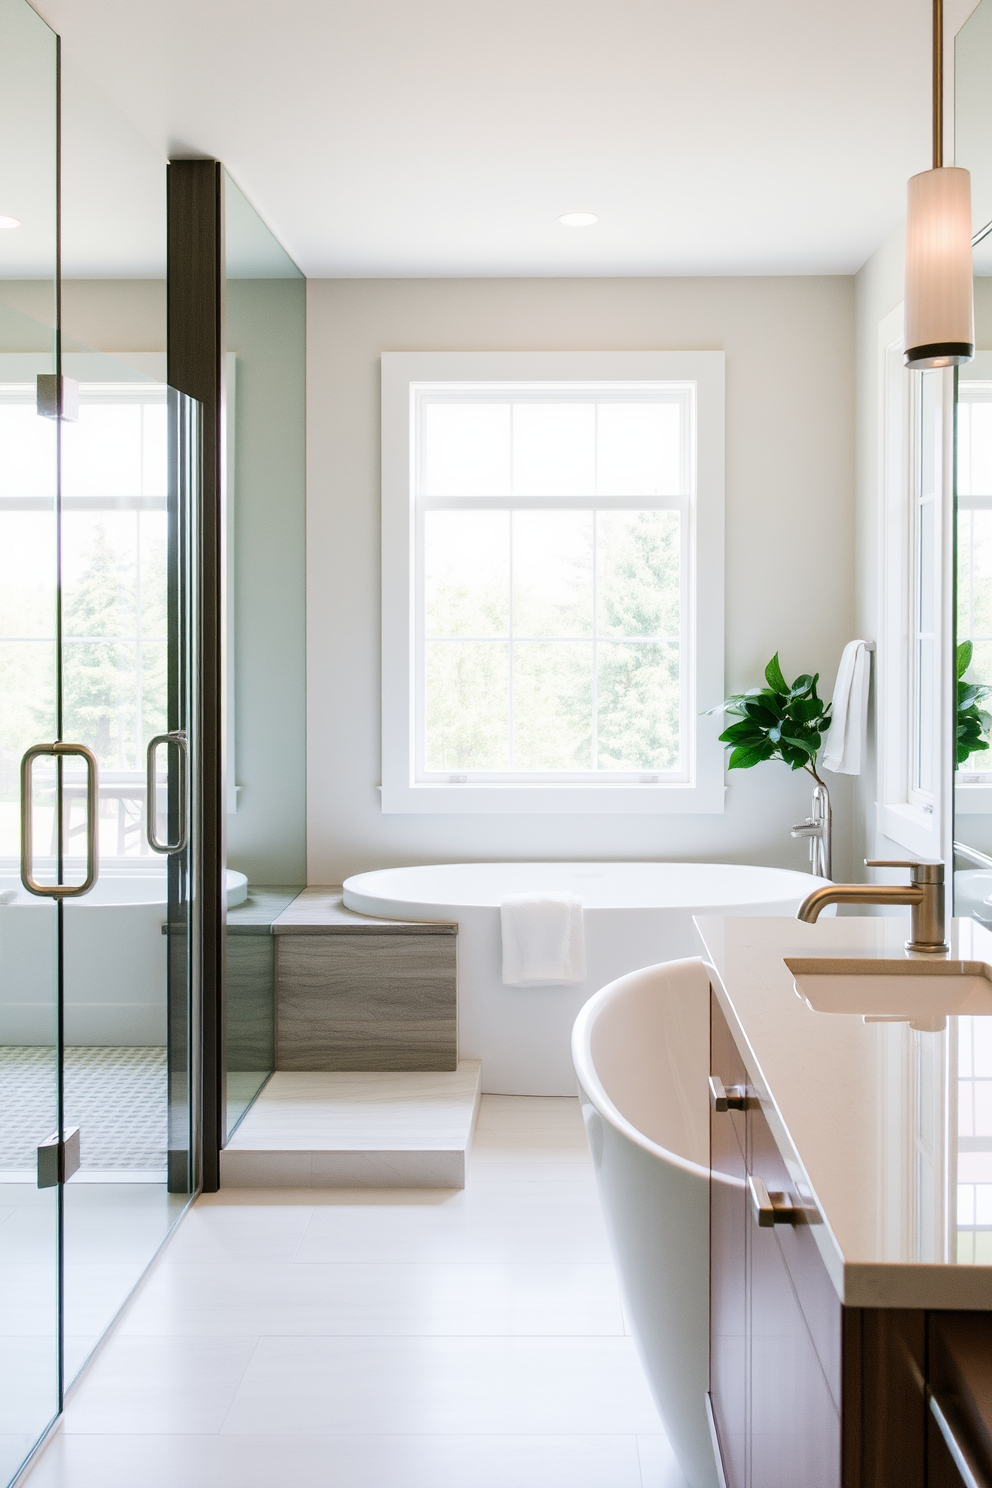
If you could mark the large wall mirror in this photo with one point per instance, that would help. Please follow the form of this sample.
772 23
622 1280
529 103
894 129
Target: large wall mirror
973 775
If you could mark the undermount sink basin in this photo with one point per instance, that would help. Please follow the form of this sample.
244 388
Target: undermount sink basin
921 992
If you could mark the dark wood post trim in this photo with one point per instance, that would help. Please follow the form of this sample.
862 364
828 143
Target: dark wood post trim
195 278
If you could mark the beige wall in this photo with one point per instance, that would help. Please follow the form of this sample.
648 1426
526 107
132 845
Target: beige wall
790 536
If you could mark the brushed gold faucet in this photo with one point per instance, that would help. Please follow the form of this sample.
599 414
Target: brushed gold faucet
925 892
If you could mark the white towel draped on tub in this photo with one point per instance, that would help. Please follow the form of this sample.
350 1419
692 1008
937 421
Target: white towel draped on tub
845 742
543 940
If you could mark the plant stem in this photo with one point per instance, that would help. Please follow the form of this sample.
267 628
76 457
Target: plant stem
811 768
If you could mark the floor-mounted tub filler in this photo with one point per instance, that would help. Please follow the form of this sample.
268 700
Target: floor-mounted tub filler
635 914
640 1049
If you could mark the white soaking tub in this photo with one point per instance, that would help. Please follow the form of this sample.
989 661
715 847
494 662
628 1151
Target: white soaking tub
115 959
636 914
641 1053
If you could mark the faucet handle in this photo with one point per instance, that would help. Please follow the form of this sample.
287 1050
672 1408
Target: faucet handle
923 870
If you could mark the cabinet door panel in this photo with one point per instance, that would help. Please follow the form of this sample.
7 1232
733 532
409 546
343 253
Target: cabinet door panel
728 1266
815 1291
795 1407
795 1426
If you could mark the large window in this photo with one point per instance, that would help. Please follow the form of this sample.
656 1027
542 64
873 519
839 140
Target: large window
113 589
551 570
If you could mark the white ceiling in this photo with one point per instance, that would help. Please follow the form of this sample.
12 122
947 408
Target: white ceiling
444 137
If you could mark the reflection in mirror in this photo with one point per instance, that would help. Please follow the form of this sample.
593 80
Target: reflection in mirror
969 1057
973 780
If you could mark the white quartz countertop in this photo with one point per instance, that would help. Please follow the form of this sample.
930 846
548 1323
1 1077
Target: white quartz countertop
887 1128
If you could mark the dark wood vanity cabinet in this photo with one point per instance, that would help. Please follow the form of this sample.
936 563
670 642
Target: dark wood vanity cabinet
806 1393
776 1411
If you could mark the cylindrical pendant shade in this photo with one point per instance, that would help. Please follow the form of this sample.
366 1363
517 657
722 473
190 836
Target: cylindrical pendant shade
940 320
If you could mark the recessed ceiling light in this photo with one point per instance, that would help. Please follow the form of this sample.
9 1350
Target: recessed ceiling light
578 219
9 222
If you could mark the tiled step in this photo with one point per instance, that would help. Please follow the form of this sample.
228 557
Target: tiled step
345 1129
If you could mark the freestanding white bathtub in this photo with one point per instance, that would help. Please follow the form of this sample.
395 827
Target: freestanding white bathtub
115 959
641 1054
636 914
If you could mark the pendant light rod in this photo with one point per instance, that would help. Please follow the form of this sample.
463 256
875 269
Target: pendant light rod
938 84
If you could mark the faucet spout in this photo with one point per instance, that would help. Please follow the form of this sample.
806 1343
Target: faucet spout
814 904
925 895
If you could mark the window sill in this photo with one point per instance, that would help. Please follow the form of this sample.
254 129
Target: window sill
545 800
910 827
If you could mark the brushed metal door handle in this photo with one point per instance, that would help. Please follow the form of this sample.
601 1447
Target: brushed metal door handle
181 742
61 751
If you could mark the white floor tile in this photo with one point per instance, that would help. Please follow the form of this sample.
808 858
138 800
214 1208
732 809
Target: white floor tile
244 1226
530 1298
363 1339
443 1385
230 1461
495 1222
159 1385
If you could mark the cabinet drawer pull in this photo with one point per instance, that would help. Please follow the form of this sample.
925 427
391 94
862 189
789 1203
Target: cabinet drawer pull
771 1209
721 1099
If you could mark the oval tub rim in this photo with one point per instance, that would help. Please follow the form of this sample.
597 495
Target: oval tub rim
585 1069
395 904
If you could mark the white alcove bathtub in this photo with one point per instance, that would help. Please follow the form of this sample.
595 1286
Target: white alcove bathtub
636 914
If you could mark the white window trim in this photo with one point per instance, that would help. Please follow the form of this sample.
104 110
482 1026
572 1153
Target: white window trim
974 797
704 791
898 815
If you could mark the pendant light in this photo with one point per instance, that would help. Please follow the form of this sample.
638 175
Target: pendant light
940 318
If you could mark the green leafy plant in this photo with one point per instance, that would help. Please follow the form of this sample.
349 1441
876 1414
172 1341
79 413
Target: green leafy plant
778 721
972 721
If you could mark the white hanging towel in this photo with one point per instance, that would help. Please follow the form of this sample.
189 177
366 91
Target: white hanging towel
845 743
544 942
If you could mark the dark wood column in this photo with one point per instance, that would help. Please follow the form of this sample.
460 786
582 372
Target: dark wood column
195 367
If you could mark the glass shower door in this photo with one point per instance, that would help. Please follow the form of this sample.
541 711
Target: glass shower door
128 482
30 1088
30 1216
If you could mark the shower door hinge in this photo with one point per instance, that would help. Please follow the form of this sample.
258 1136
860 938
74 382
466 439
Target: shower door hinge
57 1161
58 397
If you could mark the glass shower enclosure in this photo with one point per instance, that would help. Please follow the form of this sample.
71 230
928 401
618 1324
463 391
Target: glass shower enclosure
99 471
